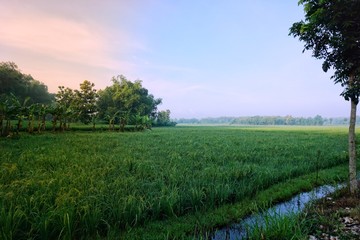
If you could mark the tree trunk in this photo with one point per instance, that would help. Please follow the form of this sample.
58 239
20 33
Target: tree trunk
54 122
352 149
31 124
19 125
1 125
43 122
39 125
352 141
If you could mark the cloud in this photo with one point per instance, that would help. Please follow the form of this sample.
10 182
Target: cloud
57 43
54 37
88 33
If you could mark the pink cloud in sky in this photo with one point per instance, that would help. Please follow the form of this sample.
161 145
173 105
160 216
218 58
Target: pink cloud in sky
59 46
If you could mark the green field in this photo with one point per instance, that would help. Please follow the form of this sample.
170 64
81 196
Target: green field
81 185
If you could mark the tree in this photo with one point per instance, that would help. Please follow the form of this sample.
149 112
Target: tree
65 99
85 102
331 30
126 99
11 79
22 85
163 118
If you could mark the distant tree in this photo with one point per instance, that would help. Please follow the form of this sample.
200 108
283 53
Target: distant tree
22 85
163 118
11 79
37 91
331 30
318 120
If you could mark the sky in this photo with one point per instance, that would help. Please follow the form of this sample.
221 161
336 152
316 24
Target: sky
204 58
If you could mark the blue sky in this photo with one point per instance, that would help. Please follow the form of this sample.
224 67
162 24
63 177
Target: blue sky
203 58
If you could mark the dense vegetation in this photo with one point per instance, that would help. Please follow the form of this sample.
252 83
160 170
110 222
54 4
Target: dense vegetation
82 185
125 102
22 85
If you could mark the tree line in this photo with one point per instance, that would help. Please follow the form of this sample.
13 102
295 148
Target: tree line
269 120
124 103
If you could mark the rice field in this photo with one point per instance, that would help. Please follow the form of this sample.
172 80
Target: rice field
97 185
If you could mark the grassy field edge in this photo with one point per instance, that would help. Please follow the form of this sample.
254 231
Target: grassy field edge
202 223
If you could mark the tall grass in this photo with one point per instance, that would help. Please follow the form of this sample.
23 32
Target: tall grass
273 226
82 185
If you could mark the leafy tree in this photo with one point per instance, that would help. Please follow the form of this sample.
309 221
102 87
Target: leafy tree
163 118
37 91
22 85
106 104
11 79
126 99
85 102
66 101
331 30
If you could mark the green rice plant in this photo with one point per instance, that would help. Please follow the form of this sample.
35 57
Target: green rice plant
11 222
277 227
67 224
100 184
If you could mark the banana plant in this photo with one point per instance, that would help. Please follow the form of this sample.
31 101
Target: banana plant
55 111
94 117
124 118
137 118
31 117
9 109
146 122
69 116
22 112
42 111
111 117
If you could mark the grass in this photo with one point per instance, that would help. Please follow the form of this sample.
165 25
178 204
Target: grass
278 227
162 183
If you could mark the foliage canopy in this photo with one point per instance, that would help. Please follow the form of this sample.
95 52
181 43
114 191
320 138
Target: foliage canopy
22 85
331 30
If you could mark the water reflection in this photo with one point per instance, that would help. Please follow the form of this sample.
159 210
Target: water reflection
295 205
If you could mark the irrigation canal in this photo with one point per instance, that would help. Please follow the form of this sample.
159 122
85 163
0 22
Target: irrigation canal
294 205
